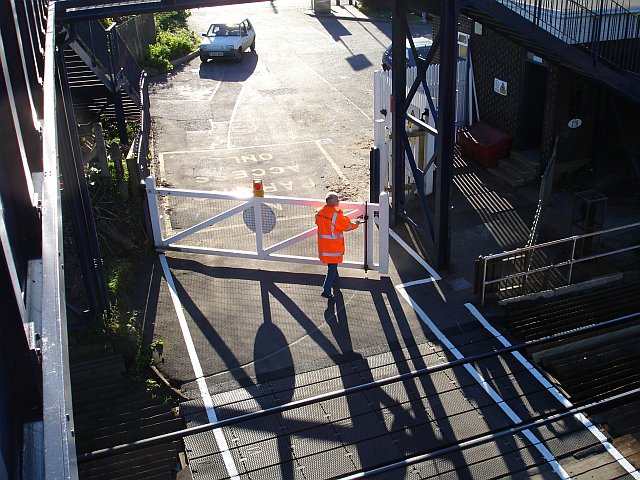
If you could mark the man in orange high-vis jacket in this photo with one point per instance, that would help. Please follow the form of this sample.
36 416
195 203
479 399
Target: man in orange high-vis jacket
331 224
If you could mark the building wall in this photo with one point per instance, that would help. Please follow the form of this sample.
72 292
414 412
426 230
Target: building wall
568 95
494 57
572 98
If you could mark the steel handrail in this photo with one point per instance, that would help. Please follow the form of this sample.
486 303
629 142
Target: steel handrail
512 276
570 262
559 19
562 240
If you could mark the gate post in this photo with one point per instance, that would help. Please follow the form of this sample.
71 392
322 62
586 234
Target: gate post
383 233
257 215
154 212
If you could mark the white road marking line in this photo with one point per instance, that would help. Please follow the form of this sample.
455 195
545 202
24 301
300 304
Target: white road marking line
415 255
233 115
215 90
556 393
197 369
330 160
544 451
161 166
416 282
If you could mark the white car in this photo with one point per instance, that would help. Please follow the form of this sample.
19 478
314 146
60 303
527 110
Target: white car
422 44
228 40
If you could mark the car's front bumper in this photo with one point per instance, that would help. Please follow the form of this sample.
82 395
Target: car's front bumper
218 53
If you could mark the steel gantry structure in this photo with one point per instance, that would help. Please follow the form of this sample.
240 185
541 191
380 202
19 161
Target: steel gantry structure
445 44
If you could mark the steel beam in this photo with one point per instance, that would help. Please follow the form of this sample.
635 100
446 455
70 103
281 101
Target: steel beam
398 106
69 11
59 454
446 126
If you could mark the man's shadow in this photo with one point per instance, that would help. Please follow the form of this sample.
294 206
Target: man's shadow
369 429
270 352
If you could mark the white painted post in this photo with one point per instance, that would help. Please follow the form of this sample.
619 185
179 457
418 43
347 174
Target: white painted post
257 213
383 233
154 212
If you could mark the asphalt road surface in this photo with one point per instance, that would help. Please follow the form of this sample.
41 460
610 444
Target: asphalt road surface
296 113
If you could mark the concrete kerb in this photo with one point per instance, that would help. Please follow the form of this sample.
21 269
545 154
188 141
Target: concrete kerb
151 71
185 59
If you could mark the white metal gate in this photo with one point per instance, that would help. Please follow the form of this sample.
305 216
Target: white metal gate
268 228
423 146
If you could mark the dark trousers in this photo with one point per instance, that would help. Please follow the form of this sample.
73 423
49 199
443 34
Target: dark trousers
330 279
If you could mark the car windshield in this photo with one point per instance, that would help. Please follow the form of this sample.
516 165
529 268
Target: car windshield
422 50
224 30
422 53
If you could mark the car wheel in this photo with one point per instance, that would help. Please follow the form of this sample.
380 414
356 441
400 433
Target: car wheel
253 45
239 57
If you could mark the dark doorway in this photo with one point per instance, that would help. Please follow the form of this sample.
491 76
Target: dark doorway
532 113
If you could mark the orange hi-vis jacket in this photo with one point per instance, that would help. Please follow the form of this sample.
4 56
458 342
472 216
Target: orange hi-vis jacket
331 224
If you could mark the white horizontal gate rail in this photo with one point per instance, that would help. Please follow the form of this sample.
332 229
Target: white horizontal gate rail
254 218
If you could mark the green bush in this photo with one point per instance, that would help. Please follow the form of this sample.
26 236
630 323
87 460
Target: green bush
169 46
376 7
172 21
122 331
119 280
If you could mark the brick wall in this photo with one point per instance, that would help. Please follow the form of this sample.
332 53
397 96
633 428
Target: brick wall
493 57
465 25
574 97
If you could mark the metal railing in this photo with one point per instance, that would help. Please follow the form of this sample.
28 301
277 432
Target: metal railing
552 264
93 37
126 70
110 57
607 29
142 142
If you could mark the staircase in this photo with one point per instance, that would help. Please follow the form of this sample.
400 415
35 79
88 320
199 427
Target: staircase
110 410
598 39
521 167
90 56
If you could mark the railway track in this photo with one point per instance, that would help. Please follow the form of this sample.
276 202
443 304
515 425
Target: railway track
595 365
